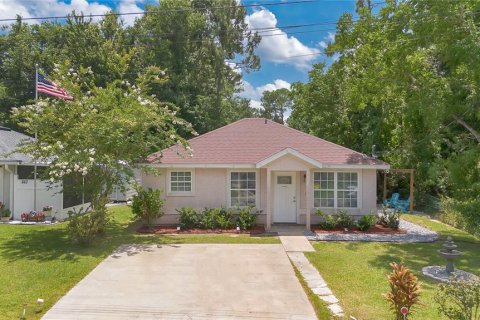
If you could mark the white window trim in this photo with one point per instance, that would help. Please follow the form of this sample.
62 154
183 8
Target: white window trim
334 189
180 193
335 179
257 186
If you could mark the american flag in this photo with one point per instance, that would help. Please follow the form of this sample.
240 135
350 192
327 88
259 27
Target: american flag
45 86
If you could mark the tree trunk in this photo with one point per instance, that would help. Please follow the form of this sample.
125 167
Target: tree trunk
474 132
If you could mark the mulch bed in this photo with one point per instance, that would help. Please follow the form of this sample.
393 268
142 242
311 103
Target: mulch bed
377 229
173 230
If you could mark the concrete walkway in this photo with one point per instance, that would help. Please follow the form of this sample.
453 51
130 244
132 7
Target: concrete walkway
293 238
189 281
315 282
295 244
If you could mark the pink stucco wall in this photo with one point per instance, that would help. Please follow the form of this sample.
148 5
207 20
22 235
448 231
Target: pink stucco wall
211 189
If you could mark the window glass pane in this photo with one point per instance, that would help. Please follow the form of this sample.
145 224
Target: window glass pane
284 180
180 181
323 185
242 188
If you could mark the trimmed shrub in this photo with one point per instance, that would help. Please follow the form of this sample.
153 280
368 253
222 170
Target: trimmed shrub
390 219
84 226
147 205
224 218
404 290
345 221
366 222
208 218
329 221
189 218
246 218
459 299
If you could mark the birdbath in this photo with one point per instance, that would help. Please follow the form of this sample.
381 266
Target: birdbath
449 253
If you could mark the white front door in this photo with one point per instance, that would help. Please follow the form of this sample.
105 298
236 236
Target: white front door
285 197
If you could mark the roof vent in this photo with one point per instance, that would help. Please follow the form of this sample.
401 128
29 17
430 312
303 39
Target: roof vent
5 128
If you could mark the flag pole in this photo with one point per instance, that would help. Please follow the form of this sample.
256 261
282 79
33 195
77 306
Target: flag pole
35 160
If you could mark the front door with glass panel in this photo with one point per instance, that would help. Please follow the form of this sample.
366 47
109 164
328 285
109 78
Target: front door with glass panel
285 198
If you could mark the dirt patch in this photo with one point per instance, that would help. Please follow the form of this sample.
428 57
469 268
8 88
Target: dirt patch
377 229
173 230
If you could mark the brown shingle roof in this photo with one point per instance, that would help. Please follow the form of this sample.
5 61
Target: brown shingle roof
251 140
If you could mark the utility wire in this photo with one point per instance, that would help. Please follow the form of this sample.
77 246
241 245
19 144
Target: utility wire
266 4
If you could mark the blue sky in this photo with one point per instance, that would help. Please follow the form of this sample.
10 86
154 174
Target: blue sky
280 64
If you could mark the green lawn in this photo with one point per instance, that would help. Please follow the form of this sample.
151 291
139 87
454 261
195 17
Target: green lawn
356 272
40 262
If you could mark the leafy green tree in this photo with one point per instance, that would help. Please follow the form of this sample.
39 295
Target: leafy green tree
275 104
404 79
194 47
103 133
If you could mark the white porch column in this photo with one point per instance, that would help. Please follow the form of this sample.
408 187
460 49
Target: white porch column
309 199
269 199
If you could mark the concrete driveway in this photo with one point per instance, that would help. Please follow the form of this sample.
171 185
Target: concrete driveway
190 281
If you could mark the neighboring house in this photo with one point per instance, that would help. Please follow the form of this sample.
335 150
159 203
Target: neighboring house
284 172
17 182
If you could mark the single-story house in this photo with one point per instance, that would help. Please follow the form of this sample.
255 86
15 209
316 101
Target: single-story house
285 173
18 189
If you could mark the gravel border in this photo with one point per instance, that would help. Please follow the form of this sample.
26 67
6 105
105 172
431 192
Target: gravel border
438 273
415 233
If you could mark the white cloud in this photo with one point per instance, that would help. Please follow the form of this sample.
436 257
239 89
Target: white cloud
48 8
255 94
234 66
331 36
129 6
277 84
280 48
323 44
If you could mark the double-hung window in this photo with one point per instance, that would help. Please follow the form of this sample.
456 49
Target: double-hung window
324 189
347 189
181 182
335 189
243 189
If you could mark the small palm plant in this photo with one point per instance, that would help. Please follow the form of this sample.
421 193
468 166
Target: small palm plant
404 290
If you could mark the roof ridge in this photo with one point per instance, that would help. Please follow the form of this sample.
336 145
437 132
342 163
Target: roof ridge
220 128
318 138
203 134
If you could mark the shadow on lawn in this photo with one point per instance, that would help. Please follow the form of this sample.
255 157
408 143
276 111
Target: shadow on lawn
418 255
50 243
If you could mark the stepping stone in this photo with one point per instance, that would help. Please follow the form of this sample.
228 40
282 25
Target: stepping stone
330 299
319 283
336 309
322 291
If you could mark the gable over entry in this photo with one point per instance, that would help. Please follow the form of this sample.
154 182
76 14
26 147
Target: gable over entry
285 173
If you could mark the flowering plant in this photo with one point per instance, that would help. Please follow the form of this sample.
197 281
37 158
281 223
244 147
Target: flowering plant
47 208
102 133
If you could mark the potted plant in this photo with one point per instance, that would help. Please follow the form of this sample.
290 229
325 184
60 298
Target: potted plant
48 211
5 214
